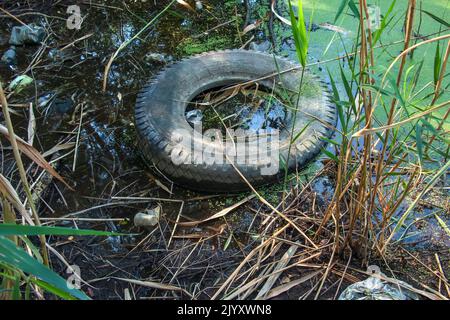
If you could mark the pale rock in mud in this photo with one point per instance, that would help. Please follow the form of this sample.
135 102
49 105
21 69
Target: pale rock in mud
148 218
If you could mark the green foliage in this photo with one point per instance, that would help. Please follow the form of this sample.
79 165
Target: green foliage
192 46
436 18
343 5
17 264
301 38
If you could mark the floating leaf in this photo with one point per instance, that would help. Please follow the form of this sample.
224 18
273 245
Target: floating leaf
19 83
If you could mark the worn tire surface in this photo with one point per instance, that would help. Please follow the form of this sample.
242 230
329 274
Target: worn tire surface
161 104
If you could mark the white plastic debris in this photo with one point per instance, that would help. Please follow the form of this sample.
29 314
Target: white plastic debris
374 288
148 218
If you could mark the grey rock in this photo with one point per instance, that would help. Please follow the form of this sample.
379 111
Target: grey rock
10 56
29 34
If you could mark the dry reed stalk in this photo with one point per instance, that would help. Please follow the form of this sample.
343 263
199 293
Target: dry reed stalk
23 176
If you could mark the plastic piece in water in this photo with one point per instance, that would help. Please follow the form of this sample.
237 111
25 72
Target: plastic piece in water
19 83
149 218
375 288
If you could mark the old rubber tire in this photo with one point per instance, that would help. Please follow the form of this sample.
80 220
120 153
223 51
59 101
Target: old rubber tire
161 105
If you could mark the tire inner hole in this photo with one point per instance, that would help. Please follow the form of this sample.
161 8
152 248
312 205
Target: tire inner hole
251 108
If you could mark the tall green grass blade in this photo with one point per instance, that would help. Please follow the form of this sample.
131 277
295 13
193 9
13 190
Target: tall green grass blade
441 21
443 224
16 289
34 250
330 155
436 133
348 90
297 136
331 141
351 4
15 256
397 92
336 96
14 229
48 287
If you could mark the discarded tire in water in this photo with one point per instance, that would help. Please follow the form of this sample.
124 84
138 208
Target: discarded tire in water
218 163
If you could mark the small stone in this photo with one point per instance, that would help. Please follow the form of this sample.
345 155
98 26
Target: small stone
28 34
148 218
9 57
